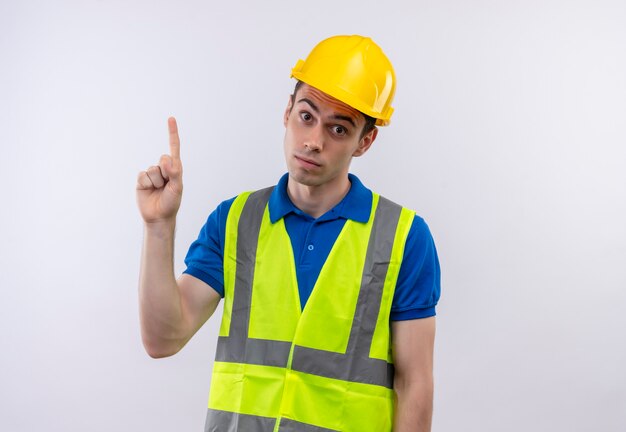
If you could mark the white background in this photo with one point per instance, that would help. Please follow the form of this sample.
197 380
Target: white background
509 138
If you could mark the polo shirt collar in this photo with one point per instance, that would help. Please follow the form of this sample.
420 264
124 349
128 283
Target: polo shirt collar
356 205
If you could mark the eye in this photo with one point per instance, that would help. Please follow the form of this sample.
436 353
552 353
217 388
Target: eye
306 116
339 130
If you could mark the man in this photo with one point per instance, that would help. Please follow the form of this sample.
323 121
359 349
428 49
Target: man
329 289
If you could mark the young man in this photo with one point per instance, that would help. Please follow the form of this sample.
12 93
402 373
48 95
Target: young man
329 289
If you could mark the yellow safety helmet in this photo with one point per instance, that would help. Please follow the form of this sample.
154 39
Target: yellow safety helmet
354 70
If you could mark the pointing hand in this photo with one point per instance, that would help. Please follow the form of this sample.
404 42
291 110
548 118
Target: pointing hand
160 187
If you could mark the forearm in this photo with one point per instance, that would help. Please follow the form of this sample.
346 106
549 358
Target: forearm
162 324
414 406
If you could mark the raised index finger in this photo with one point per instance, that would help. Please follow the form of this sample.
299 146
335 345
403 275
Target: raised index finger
174 139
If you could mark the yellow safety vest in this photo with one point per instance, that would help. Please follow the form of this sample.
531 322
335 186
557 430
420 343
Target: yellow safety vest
327 367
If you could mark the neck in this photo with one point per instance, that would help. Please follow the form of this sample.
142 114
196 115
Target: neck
317 200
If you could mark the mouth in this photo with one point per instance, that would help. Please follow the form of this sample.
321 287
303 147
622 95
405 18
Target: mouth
307 162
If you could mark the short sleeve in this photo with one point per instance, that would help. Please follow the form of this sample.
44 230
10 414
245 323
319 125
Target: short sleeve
419 280
205 257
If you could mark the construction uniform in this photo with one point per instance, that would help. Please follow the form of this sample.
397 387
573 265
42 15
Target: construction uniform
305 340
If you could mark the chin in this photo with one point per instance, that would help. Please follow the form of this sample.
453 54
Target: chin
305 179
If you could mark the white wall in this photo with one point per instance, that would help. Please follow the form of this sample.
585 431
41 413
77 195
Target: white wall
509 137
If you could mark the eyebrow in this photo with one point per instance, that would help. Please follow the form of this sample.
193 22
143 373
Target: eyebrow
334 116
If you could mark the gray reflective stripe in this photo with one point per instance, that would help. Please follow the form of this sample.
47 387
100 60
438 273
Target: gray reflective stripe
237 347
252 351
287 425
356 365
226 421
350 366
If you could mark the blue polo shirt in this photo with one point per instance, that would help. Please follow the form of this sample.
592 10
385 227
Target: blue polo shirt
418 287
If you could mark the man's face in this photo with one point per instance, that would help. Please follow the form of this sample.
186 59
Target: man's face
322 135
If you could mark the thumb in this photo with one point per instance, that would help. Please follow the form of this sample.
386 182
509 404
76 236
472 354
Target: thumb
171 168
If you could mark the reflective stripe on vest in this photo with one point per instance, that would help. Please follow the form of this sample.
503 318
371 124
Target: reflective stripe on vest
218 421
266 374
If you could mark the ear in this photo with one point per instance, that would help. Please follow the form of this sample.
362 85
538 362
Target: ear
288 111
366 142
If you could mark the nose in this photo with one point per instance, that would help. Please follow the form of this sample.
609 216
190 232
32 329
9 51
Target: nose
314 140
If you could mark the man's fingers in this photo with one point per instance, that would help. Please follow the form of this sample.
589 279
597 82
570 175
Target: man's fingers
143 181
156 177
174 139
